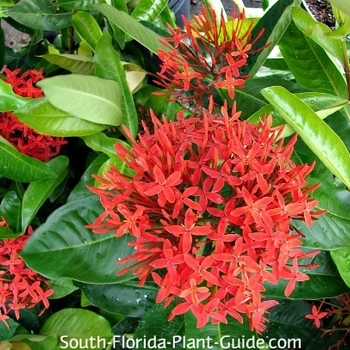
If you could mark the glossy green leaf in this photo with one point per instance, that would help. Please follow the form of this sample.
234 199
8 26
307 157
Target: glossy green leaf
155 324
9 101
132 27
87 28
78 4
331 230
274 23
319 137
341 257
62 287
77 64
77 324
43 117
310 64
102 143
66 248
34 342
318 31
37 192
86 97
324 282
40 15
221 336
127 299
148 11
342 5
19 167
108 66
10 209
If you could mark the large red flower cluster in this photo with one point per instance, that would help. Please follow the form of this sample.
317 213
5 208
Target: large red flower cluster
208 55
23 137
210 205
20 287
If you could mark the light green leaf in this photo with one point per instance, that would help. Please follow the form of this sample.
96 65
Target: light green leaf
148 11
9 101
68 249
87 28
62 287
43 117
342 5
108 66
40 15
86 97
77 64
38 191
341 257
132 27
19 167
319 137
78 324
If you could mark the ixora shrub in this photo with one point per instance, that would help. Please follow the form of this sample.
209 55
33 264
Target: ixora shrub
173 188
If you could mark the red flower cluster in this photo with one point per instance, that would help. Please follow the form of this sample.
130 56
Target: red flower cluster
210 205
24 138
20 287
206 56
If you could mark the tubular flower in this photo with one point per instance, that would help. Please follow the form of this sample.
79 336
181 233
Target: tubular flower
20 287
23 137
204 57
210 205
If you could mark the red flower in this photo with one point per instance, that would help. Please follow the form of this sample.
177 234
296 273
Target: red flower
207 55
24 138
206 228
20 287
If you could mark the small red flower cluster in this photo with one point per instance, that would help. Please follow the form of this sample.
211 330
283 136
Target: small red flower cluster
210 205
20 287
23 137
206 56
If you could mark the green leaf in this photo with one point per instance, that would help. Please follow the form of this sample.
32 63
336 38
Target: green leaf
62 287
342 5
77 64
10 209
19 167
40 15
319 137
310 64
68 249
341 257
132 27
34 342
7 331
148 11
86 97
9 101
7 233
87 28
37 192
221 336
108 66
273 23
127 299
78 324
78 4
155 325
329 231
319 32
324 282
43 117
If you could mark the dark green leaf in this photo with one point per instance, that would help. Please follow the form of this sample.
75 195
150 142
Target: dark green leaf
43 117
62 287
40 14
6 332
149 10
132 27
10 209
78 4
126 299
37 192
108 66
19 167
310 64
64 247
